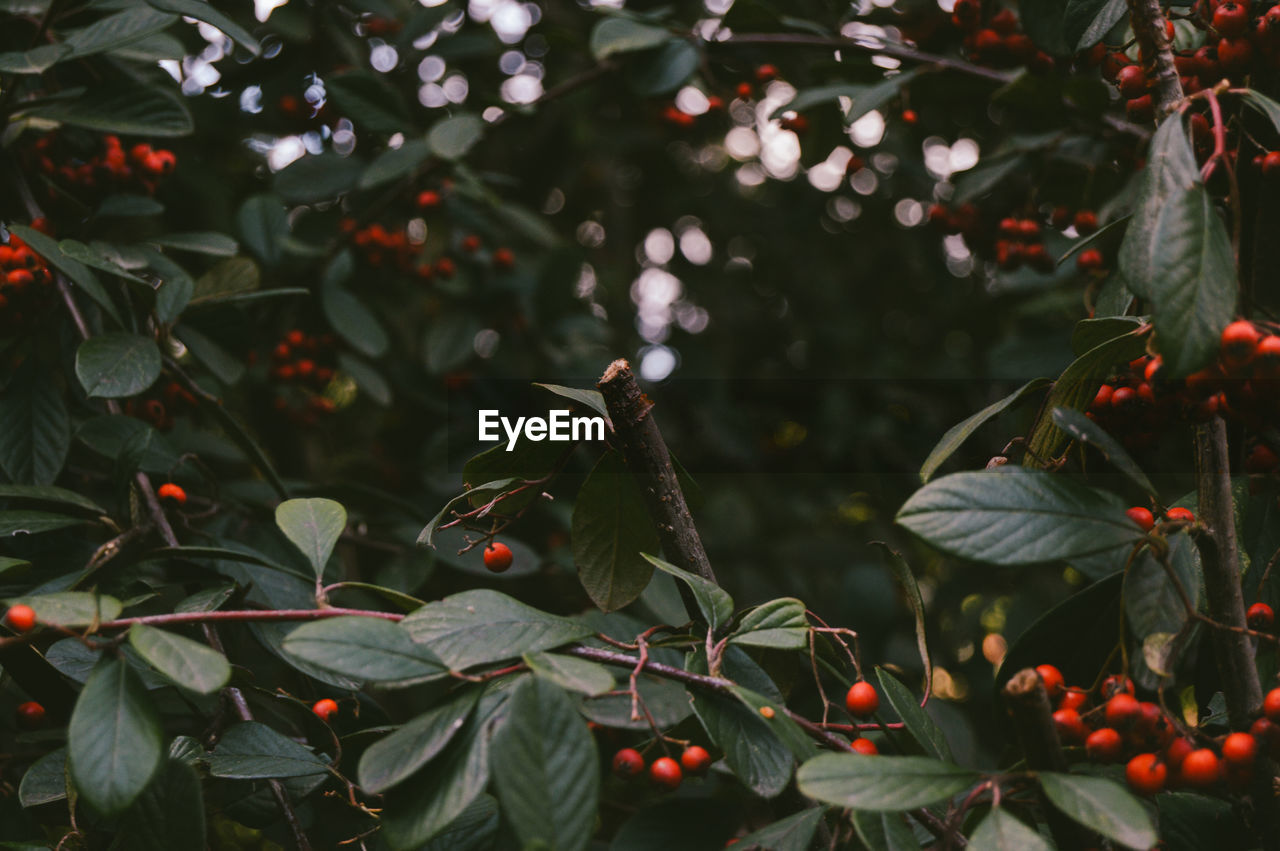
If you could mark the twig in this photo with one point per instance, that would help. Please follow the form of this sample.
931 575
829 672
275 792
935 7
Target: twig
1148 22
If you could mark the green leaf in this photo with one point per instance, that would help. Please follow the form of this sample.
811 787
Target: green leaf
79 273
1085 22
45 781
354 322
114 739
1177 254
369 101
921 727
780 624
610 533
202 11
1015 515
907 579
117 30
1000 831
666 70
198 242
176 285
313 526
225 366
991 172
547 776
168 814
34 61
264 225
427 537
623 35
591 399
251 750
1262 104
82 253
1151 600
474 829
1101 805
395 758
114 366
667 701
134 111
188 663
317 177
14 523
806 98
959 433
884 831
71 608
226 281
1090 333
368 379
714 602
570 672
875 96
482 626
395 163
1086 431
35 429
418 811
882 783
365 649
793 833
449 341
451 138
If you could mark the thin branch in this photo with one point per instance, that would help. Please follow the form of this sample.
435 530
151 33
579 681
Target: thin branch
1148 22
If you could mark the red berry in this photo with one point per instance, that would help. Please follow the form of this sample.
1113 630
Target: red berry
503 258
1054 683
1270 704
1123 397
744 90
1122 710
30 715
471 243
1177 751
295 338
1090 260
665 772
1073 699
172 492
866 747
497 557
695 760
766 72
987 41
427 199
862 699
445 268
909 116
21 618
1200 769
1004 22
1146 774
1231 19
1103 399
1179 513
1115 684
628 763
1261 459
1261 617
324 708
1070 726
1240 749
1239 339
1234 54
1086 222
1271 164
1104 745
1143 517
1132 81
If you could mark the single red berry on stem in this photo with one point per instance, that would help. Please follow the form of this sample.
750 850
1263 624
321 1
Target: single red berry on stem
665 772
1073 699
1239 749
1177 751
1086 222
1122 710
1146 774
324 708
1180 513
1070 726
628 763
1231 19
1200 769
695 760
1239 339
427 199
1132 81
1261 617
1090 260
866 747
172 493
862 699
21 618
1054 683
498 557
766 72
1104 745
1143 517
1270 703
30 714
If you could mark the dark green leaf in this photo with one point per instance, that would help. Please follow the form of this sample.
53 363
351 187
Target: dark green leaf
875 96
117 30
395 163
418 811
959 433
570 672
198 242
793 833
884 831
1101 805
35 429
366 377
34 61
1151 600
398 756
1085 430
452 137
169 814
611 532
202 11
907 579
71 608
546 776
921 727
114 738
354 322
135 111
1263 104
449 341
251 750
591 399
318 177
1016 515
114 366
780 624
228 280
365 649
481 626
79 273
45 781
227 367
263 225
882 783
666 70
1000 831
369 101
188 663
714 602
313 526
1085 22
623 35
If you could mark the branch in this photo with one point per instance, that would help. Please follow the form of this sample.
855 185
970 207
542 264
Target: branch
1032 716
246 616
1220 561
646 455
1149 28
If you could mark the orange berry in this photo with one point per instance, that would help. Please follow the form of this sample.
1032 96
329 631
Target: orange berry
172 492
1179 513
1122 709
866 747
1146 774
1270 704
324 708
497 557
862 699
21 618
1240 749
1200 769
1143 517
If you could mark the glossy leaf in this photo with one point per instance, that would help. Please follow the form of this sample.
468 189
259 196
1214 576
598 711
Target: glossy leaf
169 813
365 649
780 624
418 811
451 138
570 672
114 366
188 663
793 833
71 608
1101 805
623 35
1000 831
134 111
611 531
882 783
203 11
114 738
251 750
921 727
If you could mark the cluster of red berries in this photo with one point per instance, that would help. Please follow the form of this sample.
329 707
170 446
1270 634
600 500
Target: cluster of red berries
301 366
673 114
862 702
390 248
1120 728
109 169
24 282
998 42
1146 520
665 772
1018 240
159 407
498 557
